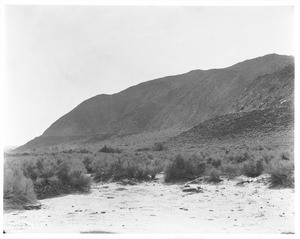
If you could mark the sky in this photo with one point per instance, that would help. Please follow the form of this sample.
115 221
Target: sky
58 56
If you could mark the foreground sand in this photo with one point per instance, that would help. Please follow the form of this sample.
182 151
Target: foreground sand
155 207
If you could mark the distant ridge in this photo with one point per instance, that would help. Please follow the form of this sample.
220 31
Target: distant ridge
178 102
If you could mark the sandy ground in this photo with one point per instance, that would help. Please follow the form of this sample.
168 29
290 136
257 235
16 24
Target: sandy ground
155 207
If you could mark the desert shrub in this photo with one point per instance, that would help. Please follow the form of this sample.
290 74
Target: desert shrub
150 156
260 148
231 170
62 172
101 169
252 168
106 149
137 166
200 168
141 172
158 164
153 171
159 146
24 154
240 158
181 168
88 163
214 162
55 175
30 170
142 149
267 157
282 173
83 151
285 156
120 169
49 187
69 151
80 180
130 168
214 175
175 170
18 190
209 160
197 163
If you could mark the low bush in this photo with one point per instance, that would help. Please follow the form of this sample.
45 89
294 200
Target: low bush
176 170
214 175
69 151
56 175
252 168
231 170
121 169
216 163
133 168
153 171
49 187
141 172
88 163
101 169
18 190
159 147
267 157
79 180
139 167
182 169
240 158
142 149
106 149
83 151
282 173
285 156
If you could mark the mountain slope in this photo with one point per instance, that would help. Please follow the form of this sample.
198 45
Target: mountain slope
269 90
177 102
243 125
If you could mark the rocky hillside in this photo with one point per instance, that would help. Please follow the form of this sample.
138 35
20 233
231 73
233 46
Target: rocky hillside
242 125
178 102
270 90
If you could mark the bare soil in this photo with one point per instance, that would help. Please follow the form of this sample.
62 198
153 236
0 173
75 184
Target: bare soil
242 205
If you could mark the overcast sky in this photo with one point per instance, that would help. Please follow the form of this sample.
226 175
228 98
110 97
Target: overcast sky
58 56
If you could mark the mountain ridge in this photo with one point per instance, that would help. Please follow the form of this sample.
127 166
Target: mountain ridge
179 101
